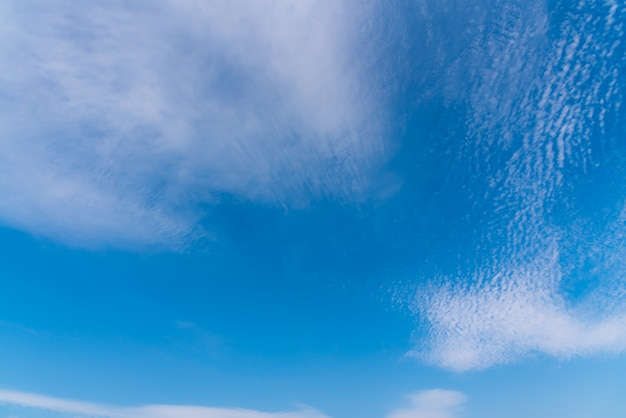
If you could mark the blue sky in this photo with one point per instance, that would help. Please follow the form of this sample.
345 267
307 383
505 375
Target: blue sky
306 209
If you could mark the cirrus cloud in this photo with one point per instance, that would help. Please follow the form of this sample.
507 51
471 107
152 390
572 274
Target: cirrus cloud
121 121
551 280
64 406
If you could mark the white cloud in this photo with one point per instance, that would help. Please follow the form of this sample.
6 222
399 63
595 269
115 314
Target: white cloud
119 121
62 406
531 106
503 317
435 403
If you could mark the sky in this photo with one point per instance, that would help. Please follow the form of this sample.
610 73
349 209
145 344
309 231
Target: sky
312 209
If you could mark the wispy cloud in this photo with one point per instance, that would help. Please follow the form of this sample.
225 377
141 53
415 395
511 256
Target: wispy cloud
63 406
435 403
504 317
120 121
539 120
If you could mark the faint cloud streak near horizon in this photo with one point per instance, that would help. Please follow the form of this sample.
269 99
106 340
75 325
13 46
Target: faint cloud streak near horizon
63 406
436 403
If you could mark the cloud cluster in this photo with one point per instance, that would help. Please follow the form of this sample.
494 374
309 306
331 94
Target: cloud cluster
504 317
540 119
120 121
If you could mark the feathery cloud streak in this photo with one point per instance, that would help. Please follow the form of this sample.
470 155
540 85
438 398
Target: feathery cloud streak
436 403
63 406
